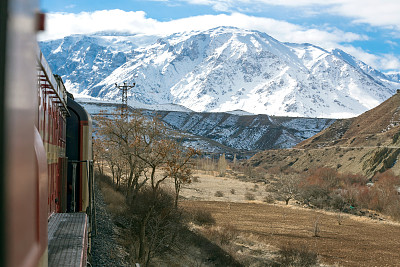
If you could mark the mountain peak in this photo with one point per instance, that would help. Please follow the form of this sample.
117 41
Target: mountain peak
222 69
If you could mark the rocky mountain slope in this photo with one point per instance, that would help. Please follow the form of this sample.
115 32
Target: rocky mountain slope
366 144
231 133
376 127
250 132
218 70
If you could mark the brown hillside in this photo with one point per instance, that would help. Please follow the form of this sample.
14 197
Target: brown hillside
375 127
365 145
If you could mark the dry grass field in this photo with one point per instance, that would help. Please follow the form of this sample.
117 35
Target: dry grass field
231 190
357 241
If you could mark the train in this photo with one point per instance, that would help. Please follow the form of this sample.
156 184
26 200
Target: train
46 165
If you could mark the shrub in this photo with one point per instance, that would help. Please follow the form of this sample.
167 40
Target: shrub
222 235
228 234
233 191
249 196
383 193
291 255
316 228
116 202
396 137
269 199
338 202
202 217
393 209
255 188
103 178
163 220
219 194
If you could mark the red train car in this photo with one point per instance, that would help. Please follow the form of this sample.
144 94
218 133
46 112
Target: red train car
51 123
23 158
33 162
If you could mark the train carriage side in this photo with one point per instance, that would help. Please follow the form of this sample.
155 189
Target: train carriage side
23 167
51 123
32 148
79 154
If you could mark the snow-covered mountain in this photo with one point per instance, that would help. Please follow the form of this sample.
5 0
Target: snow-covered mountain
83 61
394 77
246 132
220 132
221 69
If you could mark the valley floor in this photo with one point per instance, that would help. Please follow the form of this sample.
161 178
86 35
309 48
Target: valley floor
261 228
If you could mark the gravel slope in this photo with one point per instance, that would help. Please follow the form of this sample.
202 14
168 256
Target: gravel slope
105 249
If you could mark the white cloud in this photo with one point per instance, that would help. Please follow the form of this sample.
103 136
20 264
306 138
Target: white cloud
391 43
59 25
385 62
63 24
389 62
383 13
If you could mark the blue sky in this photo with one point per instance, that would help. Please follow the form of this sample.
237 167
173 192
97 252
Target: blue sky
367 29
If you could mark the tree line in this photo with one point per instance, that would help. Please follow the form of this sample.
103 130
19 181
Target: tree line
326 188
141 154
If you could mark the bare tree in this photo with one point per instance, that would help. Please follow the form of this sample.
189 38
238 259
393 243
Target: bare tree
287 187
120 135
222 165
160 153
179 168
99 155
152 156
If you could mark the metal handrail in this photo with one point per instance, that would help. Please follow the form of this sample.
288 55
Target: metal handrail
58 91
90 181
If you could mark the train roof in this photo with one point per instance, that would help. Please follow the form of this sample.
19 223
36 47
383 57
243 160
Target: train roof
54 85
77 108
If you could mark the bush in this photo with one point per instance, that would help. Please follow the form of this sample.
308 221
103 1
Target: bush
202 217
269 199
116 202
219 194
164 220
249 196
233 191
338 202
255 188
325 188
393 209
222 235
291 255
384 195
103 178
396 137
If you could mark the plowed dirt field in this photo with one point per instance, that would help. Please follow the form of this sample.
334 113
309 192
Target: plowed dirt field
358 241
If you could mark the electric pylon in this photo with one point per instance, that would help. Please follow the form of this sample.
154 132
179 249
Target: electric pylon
124 89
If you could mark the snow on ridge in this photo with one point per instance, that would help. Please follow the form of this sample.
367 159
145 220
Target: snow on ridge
237 132
220 70
240 112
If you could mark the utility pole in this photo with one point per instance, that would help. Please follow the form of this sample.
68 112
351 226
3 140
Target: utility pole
124 89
